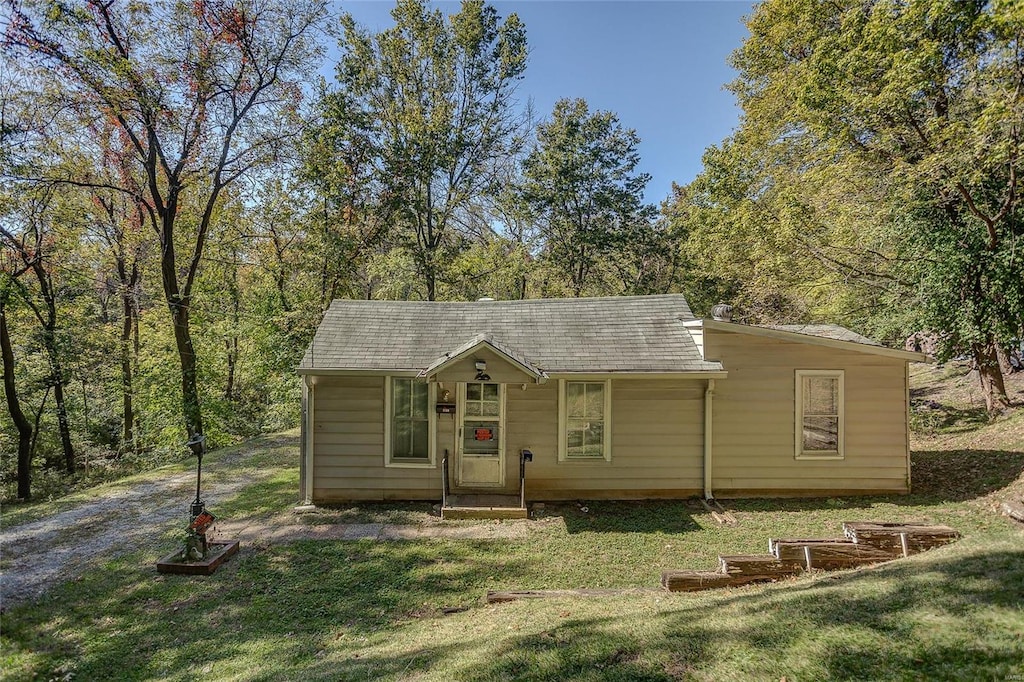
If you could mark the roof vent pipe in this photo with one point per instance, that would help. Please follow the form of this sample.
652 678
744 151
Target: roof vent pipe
721 312
485 298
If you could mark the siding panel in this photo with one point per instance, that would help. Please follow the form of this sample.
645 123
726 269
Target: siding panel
754 418
348 459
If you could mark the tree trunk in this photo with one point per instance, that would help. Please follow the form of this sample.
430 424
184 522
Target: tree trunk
1005 366
190 405
430 274
992 386
232 350
63 424
231 343
35 424
49 324
21 423
127 411
178 303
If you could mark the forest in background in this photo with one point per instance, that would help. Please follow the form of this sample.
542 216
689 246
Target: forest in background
181 200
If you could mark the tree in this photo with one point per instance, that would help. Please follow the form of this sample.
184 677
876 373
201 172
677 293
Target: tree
201 92
929 92
434 100
21 422
348 215
580 180
117 219
33 246
912 109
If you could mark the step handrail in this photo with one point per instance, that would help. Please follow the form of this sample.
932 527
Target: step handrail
524 457
444 480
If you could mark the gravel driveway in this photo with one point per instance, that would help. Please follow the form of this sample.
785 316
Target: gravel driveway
40 554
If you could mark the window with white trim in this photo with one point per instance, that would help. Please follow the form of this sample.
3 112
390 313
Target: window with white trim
819 414
584 415
409 428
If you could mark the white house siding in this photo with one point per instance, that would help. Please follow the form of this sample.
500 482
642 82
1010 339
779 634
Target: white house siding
754 420
348 442
656 440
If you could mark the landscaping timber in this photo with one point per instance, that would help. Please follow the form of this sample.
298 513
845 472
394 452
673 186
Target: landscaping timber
692 581
865 543
756 566
218 553
828 554
903 539
1014 510
515 595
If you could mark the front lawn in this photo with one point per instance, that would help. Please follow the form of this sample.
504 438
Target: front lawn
398 610
316 609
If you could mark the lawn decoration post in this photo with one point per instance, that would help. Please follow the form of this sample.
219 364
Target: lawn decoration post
200 556
195 543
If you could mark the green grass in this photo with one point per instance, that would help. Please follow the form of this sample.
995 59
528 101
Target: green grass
311 609
364 610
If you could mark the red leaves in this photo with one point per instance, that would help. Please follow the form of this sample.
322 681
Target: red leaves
226 22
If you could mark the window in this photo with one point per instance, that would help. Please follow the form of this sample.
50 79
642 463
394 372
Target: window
584 408
482 420
409 431
482 400
819 414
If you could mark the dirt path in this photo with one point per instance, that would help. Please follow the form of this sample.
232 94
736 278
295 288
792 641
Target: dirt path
40 554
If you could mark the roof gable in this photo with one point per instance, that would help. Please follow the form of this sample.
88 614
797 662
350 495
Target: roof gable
475 348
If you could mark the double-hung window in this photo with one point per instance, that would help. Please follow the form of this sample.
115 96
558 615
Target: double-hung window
409 431
819 414
584 414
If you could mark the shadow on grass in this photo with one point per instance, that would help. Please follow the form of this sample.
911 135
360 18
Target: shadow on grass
262 608
667 516
957 475
945 619
933 418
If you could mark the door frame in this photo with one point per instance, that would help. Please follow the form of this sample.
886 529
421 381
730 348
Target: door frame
460 418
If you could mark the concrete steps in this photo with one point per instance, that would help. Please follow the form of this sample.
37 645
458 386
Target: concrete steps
483 506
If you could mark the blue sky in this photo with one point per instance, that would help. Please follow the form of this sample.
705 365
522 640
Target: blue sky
661 66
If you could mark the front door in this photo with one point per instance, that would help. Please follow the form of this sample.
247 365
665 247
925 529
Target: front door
480 437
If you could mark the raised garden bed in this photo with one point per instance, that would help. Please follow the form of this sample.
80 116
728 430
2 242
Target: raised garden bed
218 553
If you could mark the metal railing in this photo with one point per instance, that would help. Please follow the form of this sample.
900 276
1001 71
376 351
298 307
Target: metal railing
444 480
524 457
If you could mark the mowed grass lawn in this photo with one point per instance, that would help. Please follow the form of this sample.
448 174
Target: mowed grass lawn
364 610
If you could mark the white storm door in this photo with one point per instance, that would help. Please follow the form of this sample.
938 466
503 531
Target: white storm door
480 437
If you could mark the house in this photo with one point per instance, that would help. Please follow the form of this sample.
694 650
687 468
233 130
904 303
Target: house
619 398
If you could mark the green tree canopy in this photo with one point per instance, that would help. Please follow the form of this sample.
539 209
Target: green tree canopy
427 109
878 158
580 181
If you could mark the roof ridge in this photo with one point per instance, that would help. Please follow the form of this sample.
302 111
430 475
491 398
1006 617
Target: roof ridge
566 299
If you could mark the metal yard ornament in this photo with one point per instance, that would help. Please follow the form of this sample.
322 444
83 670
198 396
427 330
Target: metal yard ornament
195 544
200 556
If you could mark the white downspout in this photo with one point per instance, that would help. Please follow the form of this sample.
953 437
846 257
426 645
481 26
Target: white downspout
308 439
709 394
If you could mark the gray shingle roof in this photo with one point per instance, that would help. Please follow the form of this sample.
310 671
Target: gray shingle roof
615 334
828 331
